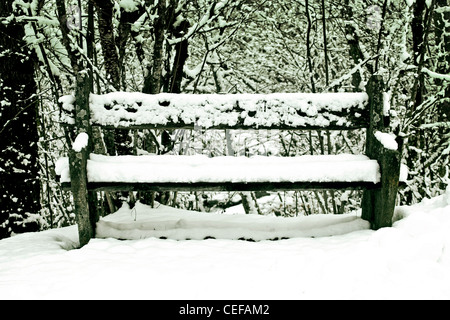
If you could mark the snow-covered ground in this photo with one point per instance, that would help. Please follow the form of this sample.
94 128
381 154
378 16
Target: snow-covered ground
327 257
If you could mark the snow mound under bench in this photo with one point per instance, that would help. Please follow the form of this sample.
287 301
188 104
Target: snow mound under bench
166 222
200 168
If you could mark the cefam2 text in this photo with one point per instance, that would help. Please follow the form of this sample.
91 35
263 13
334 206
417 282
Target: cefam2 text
228 309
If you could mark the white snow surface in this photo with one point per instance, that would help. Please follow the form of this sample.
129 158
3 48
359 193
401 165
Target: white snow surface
208 110
128 5
200 168
144 222
387 140
81 141
386 103
410 260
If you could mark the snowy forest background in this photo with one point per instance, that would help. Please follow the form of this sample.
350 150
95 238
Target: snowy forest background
216 46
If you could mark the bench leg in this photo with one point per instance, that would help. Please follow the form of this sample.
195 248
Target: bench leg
81 197
378 204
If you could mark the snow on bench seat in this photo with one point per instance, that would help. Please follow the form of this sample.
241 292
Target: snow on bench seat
176 169
342 110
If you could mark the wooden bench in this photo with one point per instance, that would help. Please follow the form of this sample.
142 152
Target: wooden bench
376 172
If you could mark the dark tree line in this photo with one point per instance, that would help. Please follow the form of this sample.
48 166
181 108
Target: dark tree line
19 170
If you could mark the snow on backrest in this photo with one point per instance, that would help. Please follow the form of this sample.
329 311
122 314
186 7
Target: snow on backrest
238 111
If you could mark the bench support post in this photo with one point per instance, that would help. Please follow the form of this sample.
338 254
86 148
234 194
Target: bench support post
84 200
378 204
78 178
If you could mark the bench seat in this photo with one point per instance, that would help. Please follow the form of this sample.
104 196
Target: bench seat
174 172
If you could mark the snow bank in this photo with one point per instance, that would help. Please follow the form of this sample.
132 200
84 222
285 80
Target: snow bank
411 260
200 168
167 222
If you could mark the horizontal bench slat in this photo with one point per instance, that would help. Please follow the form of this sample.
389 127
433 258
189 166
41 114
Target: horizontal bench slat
333 111
202 172
226 186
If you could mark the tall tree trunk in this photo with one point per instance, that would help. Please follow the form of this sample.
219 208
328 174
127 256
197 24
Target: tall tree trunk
353 42
19 171
325 47
442 33
85 202
308 47
380 33
153 80
181 48
105 27
418 35
126 21
117 141
420 27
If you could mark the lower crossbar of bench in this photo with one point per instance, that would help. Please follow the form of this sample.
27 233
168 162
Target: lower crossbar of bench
227 186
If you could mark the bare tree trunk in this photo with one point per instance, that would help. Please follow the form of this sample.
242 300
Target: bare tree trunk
105 27
153 80
420 26
85 201
380 33
124 32
353 42
442 33
181 48
325 48
308 47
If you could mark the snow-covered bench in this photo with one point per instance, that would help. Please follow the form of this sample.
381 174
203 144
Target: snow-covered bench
173 172
377 171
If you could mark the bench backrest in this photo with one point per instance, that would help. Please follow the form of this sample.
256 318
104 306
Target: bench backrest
335 111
